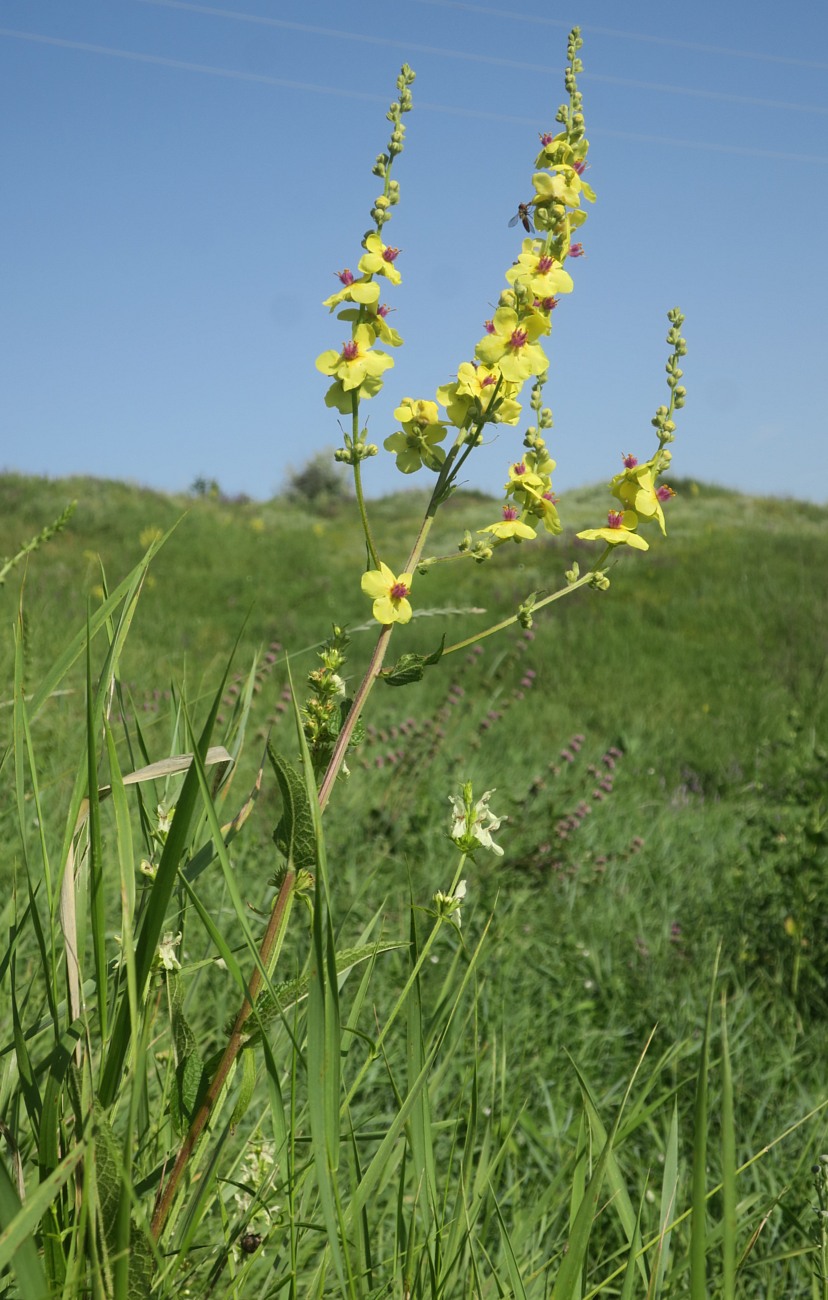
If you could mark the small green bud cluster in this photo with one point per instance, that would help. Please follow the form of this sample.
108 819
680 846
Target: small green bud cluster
599 580
532 438
663 421
322 715
571 115
355 449
820 1229
525 611
479 551
391 192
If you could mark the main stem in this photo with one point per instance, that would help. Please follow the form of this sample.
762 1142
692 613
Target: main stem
273 933
278 917
369 680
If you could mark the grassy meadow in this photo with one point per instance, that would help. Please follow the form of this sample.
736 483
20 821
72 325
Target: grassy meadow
608 1080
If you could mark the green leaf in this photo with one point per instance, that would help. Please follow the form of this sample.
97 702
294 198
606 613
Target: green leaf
248 1087
295 835
126 1242
270 1006
191 1078
411 667
18 1224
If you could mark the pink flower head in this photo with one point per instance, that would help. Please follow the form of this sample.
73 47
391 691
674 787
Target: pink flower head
350 350
576 250
615 519
664 493
399 591
488 381
579 166
488 326
383 310
550 497
390 255
519 468
630 461
545 264
519 339
546 137
545 304
346 276
510 513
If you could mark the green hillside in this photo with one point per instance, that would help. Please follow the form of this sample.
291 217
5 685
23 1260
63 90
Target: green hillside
657 750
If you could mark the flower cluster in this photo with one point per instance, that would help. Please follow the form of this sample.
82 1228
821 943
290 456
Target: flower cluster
327 705
358 367
472 823
530 497
486 390
636 488
417 443
447 906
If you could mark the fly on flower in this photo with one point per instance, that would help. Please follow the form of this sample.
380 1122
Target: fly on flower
522 215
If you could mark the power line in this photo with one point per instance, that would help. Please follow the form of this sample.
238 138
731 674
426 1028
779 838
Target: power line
618 34
233 74
469 56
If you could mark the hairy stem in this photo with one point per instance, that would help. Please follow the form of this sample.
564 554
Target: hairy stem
270 943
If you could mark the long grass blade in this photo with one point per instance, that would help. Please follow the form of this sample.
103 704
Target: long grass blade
698 1217
728 1168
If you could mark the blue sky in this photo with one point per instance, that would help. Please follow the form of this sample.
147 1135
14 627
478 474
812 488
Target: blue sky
182 180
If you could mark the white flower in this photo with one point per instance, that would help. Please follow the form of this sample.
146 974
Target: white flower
473 823
166 957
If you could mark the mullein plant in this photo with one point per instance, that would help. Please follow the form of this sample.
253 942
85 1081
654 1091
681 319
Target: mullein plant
438 436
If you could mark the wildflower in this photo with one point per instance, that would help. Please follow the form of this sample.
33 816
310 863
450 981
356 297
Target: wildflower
619 528
448 905
473 394
379 259
364 291
422 429
511 525
357 362
636 490
511 347
166 958
390 594
558 185
537 269
473 823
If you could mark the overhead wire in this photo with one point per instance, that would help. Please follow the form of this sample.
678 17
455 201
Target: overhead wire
470 56
367 96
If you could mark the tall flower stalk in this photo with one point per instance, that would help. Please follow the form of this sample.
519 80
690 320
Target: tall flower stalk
485 391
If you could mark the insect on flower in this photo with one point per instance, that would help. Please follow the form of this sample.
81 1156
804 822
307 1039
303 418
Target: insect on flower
522 215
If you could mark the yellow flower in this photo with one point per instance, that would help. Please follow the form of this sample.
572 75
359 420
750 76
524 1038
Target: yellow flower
389 594
510 525
379 259
539 271
619 529
510 345
422 429
357 362
636 490
365 291
473 391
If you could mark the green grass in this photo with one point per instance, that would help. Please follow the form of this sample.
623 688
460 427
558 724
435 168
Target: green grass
482 1113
